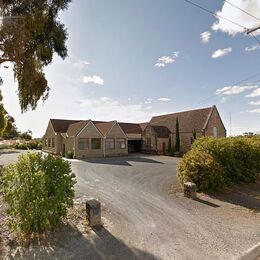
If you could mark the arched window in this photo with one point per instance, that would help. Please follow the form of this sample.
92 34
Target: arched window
215 131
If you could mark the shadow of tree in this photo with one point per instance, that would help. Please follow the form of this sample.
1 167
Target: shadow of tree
123 161
245 195
69 243
8 152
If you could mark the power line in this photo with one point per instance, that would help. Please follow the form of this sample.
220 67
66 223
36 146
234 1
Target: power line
216 95
222 17
214 14
256 38
244 11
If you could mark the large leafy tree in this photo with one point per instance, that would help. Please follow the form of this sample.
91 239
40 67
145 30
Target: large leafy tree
30 34
3 121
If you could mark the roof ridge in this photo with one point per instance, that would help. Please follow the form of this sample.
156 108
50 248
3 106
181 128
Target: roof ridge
187 111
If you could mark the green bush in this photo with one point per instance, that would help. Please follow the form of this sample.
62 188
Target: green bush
69 155
1 174
239 156
201 168
31 145
38 190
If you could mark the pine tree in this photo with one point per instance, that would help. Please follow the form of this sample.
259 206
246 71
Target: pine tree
177 137
194 134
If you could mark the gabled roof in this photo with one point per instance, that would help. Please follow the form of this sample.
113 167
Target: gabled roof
75 128
188 120
161 131
131 128
143 125
62 125
104 127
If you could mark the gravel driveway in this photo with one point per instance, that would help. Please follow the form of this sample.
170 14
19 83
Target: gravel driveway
139 213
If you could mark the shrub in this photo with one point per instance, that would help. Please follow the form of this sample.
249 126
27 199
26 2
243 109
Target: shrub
202 169
239 156
38 190
31 145
69 155
1 174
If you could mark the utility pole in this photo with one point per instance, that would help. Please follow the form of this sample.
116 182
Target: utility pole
248 31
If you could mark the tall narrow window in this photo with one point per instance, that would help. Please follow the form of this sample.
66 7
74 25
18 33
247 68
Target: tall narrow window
215 132
49 142
121 143
53 142
148 141
83 143
96 143
110 143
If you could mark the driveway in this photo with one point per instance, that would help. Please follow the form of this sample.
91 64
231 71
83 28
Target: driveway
140 213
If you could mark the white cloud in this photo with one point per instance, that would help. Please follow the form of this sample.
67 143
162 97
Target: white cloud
93 79
257 110
80 64
234 90
149 107
253 48
105 99
205 36
166 60
220 52
255 93
254 103
164 99
228 11
105 108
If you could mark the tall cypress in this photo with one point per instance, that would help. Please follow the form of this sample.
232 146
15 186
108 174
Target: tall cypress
177 137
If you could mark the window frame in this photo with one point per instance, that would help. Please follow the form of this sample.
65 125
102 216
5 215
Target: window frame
93 147
215 132
53 142
49 142
119 143
84 142
148 141
108 143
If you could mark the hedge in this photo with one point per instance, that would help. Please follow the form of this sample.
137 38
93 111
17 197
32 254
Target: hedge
38 190
238 156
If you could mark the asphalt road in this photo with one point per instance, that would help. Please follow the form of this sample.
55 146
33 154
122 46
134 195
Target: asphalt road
138 210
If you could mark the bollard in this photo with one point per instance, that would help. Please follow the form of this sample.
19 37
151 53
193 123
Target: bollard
93 211
190 190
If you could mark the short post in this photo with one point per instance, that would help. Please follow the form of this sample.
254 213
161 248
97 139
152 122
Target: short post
190 190
93 211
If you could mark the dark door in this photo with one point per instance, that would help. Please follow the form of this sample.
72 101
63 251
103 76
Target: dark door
164 148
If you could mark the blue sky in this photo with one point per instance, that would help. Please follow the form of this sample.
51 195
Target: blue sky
129 60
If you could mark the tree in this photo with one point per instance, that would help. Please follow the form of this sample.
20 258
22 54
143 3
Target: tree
3 121
11 129
194 134
27 135
177 137
30 34
170 145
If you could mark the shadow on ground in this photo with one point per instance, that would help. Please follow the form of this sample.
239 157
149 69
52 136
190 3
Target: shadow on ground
69 243
8 152
246 195
123 161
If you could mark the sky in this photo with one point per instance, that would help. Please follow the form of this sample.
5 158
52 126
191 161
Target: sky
130 60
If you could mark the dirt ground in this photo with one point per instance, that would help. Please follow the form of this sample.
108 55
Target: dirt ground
143 220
